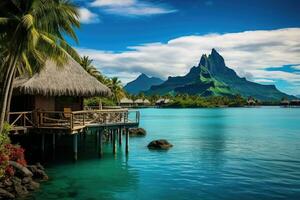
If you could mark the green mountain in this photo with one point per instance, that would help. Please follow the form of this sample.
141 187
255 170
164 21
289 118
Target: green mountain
213 78
141 84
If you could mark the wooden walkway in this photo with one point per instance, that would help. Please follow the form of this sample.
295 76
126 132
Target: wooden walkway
115 122
72 122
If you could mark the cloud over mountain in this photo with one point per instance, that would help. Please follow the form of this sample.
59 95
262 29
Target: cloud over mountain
250 53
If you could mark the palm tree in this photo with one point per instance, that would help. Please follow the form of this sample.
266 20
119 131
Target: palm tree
31 32
86 63
115 85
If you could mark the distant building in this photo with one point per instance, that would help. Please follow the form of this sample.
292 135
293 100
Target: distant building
251 101
295 102
160 102
285 102
147 102
126 102
139 102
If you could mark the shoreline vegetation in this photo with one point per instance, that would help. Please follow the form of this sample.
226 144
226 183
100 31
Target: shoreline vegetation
184 101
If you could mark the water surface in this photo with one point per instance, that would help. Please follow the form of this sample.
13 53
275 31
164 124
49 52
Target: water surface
230 153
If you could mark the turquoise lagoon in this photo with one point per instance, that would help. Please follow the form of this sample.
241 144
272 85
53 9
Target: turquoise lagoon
224 153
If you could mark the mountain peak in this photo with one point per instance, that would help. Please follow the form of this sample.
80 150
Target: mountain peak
214 51
203 60
215 55
142 83
142 75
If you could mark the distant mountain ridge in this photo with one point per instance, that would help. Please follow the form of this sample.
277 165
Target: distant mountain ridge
142 83
213 78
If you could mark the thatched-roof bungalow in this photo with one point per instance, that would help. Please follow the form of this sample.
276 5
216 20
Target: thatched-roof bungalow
126 102
139 101
55 88
147 102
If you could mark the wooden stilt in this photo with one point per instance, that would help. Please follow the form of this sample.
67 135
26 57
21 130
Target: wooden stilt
120 136
97 139
43 143
75 147
127 141
100 143
114 141
111 135
53 141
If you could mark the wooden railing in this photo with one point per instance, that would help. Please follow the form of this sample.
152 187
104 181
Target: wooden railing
73 120
21 119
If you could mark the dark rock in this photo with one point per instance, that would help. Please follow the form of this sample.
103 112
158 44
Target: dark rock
6 195
38 173
15 180
7 183
159 144
32 185
26 180
18 189
133 132
39 166
20 169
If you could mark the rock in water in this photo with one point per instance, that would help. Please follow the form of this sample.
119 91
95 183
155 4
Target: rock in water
133 132
6 195
37 172
24 172
160 144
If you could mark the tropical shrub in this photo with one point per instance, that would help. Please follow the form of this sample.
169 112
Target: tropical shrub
4 152
9 152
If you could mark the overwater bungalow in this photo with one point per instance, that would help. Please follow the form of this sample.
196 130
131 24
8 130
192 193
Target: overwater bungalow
291 103
125 102
139 102
251 102
295 102
285 102
161 102
147 102
51 102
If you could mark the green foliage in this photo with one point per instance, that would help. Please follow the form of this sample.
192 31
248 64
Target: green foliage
4 153
194 101
94 101
33 31
114 84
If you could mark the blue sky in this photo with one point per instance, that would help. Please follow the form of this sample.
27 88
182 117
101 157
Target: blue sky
259 39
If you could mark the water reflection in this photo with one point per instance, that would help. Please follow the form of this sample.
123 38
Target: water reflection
90 177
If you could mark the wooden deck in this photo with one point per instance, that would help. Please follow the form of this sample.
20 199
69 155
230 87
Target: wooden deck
73 122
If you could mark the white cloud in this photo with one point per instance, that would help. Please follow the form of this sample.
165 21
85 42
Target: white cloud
297 67
279 75
249 53
88 17
264 81
131 7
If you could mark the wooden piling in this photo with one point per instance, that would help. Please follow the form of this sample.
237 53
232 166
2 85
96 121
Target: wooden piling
120 136
97 139
75 147
43 144
100 143
114 141
127 141
53 141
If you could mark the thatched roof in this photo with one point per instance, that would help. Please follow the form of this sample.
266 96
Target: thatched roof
126 100
68 80
140 101
146 101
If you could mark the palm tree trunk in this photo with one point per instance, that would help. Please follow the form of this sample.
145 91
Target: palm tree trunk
11 89
7 88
